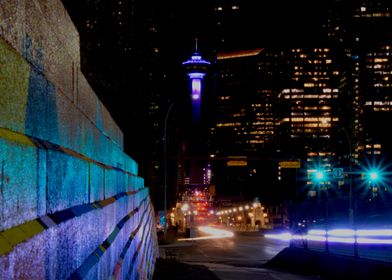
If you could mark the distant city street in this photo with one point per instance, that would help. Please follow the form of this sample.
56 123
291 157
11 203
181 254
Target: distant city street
240 257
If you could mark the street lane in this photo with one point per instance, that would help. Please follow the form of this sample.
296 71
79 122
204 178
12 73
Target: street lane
239 257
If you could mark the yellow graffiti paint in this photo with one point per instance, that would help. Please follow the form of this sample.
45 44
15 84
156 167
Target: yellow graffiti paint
15 137
32 228
14 235
5 247
14 82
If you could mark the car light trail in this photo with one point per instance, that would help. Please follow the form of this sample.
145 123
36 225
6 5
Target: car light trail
214 234
374 241
285 236
350 236
374 232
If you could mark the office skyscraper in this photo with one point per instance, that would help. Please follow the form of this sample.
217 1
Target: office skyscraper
309 107
244 130
360 32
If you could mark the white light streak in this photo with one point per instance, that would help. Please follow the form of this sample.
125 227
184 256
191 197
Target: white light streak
214 234
282 236
350 236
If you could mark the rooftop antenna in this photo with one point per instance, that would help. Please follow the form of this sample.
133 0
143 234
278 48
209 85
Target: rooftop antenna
196 44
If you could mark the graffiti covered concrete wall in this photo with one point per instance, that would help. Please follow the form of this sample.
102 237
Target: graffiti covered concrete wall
71 202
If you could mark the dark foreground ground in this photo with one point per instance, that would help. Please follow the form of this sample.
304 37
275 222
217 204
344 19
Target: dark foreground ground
298 261
329 266
173 270
291 260
168 268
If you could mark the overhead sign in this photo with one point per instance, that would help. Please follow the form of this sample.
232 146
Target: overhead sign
237 161
337 173
290 164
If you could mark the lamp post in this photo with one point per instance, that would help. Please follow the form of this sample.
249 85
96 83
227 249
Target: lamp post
350 209
165 166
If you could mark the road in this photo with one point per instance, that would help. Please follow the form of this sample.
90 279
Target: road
239 257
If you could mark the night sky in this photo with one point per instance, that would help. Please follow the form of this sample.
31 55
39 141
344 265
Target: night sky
260 24
121 82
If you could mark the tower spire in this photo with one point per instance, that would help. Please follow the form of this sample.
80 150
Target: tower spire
196 44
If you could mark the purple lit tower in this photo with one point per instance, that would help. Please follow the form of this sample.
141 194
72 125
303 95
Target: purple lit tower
196 68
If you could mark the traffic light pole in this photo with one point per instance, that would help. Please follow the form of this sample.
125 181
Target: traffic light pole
350 209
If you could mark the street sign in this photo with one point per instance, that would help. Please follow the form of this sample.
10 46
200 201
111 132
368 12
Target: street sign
237 161
337 173
290 164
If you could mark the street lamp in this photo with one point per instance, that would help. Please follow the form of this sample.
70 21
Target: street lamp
350 209
165 166
319 176
374 177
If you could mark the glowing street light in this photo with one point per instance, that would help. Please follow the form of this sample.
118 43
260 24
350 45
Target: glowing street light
185 207
319 176
373 176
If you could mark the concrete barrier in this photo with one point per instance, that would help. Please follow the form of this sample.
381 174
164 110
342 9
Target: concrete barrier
71 202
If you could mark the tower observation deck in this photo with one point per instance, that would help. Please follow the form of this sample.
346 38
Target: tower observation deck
196 68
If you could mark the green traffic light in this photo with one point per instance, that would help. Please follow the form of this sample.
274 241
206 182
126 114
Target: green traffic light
319 175
373 176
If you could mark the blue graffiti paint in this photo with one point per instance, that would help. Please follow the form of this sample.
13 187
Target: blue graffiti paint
33 54
41 111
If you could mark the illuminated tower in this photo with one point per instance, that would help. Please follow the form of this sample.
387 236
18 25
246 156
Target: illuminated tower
196 68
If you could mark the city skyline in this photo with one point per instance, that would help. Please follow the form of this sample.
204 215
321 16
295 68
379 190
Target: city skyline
236 26
165 32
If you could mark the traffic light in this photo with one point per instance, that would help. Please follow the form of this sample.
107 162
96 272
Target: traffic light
373 176
319 176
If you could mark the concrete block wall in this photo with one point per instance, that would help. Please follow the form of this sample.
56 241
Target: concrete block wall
50 87
71 202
